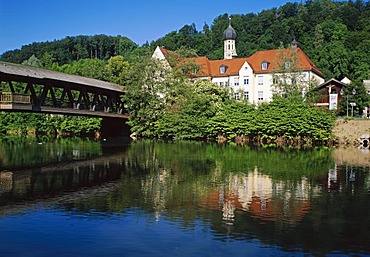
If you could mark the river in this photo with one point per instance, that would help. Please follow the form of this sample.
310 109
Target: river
116 197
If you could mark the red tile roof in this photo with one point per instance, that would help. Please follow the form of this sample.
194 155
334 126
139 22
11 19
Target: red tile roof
211 68
164 51
273 57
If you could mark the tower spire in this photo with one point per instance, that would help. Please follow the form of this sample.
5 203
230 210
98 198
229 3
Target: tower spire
294 44
229 42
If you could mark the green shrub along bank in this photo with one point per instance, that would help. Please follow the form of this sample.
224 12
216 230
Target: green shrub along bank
26 123
203 110
283 121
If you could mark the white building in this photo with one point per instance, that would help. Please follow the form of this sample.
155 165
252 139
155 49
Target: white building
367 86
252 78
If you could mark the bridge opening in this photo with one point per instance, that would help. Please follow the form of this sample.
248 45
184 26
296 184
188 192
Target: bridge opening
365 143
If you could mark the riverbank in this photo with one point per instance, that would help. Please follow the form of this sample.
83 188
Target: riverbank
346 132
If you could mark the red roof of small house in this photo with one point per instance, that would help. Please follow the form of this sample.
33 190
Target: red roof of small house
164 51
332 82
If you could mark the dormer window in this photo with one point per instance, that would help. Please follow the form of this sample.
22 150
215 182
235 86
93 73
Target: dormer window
265 65
223 69
194 71
287 64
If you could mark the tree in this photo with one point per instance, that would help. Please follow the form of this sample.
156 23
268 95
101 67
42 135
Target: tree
92 68
118 70
357 94
360 64
47 60
146 93
182 63
287 77
125 46
190 109
33 61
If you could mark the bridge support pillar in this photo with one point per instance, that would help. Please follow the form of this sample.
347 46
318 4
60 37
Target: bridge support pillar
112 127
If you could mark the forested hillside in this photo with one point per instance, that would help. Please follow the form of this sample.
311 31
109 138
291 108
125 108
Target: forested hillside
335 35
73 48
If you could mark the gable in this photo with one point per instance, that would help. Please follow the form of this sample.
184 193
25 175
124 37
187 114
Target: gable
159 53
211 68
277 57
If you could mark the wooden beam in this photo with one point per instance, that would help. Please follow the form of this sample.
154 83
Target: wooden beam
11 87
55 102
34 97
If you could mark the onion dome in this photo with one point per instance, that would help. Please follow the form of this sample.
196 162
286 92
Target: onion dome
294 44
229 33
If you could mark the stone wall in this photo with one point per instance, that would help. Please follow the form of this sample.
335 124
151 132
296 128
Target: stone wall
348 131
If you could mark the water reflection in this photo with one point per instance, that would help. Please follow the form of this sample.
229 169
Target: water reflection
352 156
297 201
261 197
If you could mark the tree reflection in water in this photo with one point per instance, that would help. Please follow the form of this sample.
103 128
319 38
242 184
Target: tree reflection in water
286 197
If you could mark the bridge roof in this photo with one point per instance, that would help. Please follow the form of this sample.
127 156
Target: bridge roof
31 74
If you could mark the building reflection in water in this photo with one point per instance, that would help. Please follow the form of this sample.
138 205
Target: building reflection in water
262 197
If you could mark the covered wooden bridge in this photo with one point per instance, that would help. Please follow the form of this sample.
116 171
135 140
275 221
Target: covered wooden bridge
29 89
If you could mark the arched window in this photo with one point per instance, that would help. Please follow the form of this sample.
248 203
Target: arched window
223 68
265 65
287 64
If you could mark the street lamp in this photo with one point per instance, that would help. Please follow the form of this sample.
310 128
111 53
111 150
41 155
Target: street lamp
352 104
342 93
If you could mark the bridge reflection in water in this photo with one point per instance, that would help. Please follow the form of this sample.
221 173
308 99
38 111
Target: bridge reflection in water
52 180
298 201
253 192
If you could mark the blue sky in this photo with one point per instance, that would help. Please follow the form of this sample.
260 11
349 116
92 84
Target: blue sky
23 22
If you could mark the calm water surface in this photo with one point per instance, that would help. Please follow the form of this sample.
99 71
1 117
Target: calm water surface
82 197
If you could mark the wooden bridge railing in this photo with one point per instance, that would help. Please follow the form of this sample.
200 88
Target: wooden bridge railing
9 98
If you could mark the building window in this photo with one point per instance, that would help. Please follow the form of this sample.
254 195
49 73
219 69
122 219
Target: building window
287 64
260 95
194 71
264 65
236 95
260 80
222 84
246 95
236 81
246 80
294 80
223 69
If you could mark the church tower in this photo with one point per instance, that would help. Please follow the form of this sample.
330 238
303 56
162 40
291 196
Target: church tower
229 42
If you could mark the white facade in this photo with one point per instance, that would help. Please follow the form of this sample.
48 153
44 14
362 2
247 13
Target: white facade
252 78
258 87
229 49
